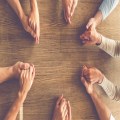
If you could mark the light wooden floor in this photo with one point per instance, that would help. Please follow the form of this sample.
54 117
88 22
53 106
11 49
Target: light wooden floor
57 59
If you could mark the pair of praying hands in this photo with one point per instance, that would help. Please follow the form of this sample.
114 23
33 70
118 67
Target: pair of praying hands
90 76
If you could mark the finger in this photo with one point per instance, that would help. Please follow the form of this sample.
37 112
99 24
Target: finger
69 111
67 11
21 75
65 113
68 18
62 104
27 73
30 71
84 70
30 22
26 65
72 9
84 82
65 107
31 32
34 27
59 100
38 34
65 16
89 24
66 118
33 74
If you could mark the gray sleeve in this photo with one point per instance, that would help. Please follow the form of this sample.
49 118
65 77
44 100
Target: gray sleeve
110 46
110 89
107 7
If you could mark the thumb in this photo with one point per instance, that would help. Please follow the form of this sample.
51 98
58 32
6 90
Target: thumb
85 67
89 24
84 82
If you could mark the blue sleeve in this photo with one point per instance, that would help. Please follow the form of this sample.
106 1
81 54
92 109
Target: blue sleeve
107 7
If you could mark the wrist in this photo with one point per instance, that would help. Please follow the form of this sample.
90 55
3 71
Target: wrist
92 94
98 17
22 94
34 6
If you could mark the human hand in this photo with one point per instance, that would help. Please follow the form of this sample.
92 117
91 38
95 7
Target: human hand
62 110
88 85
26 79
92 75
91 37
25 23
91 23
69 8
34 23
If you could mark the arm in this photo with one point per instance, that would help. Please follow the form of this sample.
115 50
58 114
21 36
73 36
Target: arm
111 90
12 114
105 9
15 4
34 20
26 81
103 111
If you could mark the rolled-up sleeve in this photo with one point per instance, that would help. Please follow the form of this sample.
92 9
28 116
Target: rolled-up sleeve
113 91
110 46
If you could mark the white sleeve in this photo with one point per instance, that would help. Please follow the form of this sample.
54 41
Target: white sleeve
111 117
107 7
110 89
110 46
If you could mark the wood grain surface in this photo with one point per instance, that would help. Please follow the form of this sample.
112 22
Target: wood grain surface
58 59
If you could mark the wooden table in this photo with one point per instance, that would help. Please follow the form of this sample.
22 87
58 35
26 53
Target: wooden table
58 59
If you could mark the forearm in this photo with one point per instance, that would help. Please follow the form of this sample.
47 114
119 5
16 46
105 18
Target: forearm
6 73
107 7
33 4
98 18
12 113
15 4
110 46
103 111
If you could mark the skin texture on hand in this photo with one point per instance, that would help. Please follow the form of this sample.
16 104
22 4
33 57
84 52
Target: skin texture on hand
62 110
91 23
27 74
91 74
91 37
25 23
69 8
34 21
95 21
26 79
34 24
88 85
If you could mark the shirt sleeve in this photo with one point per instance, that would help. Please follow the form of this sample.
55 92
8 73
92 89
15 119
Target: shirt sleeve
110 46
110 89
107 7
